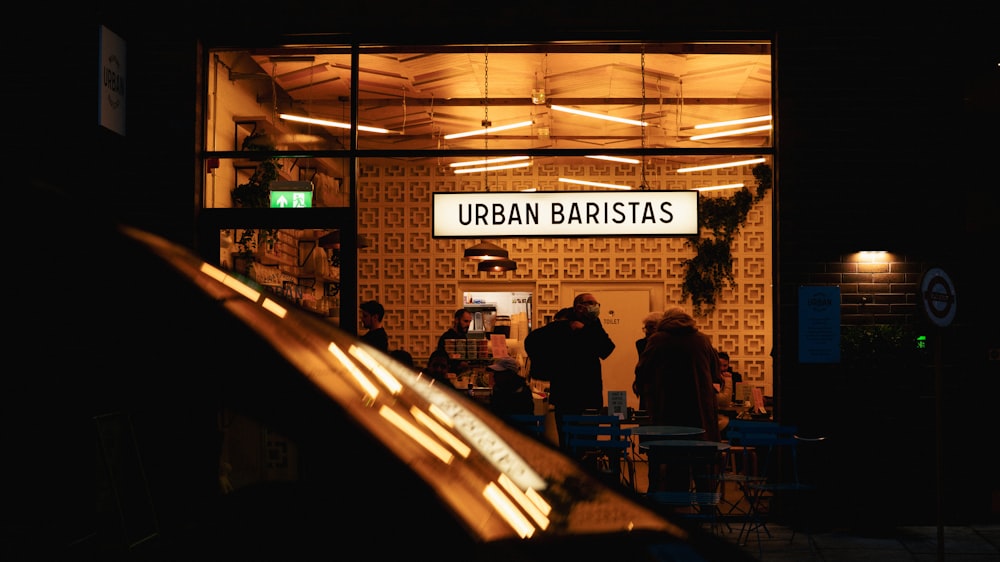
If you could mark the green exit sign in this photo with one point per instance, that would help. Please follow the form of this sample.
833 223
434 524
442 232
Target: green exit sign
291 199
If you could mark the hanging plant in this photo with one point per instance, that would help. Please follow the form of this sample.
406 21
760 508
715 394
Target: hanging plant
720 219
256 192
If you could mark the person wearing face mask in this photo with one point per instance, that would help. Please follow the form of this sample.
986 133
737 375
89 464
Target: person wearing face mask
577 345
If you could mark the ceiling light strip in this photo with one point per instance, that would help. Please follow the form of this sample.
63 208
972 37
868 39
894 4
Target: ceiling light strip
744 131
745 121
613 158
493 168
723 165
488 161
718 187
328 123
565 109
596 184
487 130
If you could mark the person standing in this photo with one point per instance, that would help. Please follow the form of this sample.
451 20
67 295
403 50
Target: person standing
570 351
437 368
511 393
459 330
649 324
729 376
675 372
372 313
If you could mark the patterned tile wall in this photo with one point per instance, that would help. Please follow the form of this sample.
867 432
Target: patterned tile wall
417 277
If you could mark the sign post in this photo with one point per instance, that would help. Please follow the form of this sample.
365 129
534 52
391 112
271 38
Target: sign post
937 295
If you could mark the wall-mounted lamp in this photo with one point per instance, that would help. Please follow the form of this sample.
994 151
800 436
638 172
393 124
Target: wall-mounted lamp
497 266
486 251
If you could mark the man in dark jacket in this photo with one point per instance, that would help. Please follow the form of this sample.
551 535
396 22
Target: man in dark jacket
570 352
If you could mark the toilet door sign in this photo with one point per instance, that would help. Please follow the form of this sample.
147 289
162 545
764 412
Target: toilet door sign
937 293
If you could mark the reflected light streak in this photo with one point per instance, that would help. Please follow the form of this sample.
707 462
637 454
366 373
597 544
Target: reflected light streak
432 446
386 378
366 384
274 308
538 500
596 184
443 434
230 281
441 415
525 502
722 165
508 511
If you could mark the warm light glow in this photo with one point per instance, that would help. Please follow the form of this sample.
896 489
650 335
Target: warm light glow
493 168
526 503
360 377
723 165
413 432
745 131
328 123
565 109
487 130
488 161
733 122
497 266
613 158
274 308
441 432
718 187
508 511
241 288
383 375
596 184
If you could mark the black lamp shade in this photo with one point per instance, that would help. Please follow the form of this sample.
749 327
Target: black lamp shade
486 251
497 266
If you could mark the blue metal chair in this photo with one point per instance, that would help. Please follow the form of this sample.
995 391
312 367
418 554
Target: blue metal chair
601 445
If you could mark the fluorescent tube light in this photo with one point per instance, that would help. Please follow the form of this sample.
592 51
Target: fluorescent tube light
487 130
596 184
613 158
565 109
744 131
488 161
733 122
328 123
491 168
718 187
723 165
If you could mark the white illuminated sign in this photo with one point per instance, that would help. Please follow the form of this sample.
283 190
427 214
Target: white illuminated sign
565 213
111 82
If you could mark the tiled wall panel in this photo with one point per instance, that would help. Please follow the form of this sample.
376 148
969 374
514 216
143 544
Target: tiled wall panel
417 277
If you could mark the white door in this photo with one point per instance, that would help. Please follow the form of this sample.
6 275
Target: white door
622 312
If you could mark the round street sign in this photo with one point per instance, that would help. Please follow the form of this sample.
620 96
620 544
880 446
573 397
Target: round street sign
937 294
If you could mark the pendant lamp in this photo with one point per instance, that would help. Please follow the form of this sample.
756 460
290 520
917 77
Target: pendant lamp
486 251
497 266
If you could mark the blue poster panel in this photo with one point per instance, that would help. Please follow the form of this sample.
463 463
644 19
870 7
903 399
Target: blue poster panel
819 324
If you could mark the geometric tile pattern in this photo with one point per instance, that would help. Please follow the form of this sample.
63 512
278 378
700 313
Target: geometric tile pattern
418 278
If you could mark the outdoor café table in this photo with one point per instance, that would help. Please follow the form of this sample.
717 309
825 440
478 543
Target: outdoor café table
661 451
653 432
